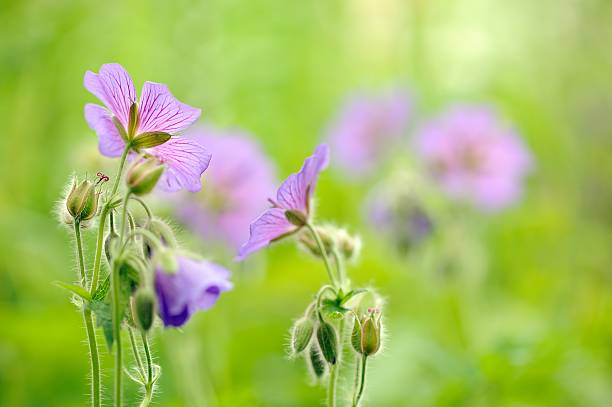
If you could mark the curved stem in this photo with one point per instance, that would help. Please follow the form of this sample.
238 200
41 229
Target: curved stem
145 344
135 352
144 206
340 268
89 327
357 399
328 267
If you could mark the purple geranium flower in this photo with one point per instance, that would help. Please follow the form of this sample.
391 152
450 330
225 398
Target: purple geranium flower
366 128
238 182
158 112
475 157
293 198
195 286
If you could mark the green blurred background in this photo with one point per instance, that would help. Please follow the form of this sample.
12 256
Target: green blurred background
533 329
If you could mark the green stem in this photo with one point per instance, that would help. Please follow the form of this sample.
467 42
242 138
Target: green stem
89 327
356 379
99 245
135 352
331 387
328 267
149 387
126 150
357 399
340 268
117 333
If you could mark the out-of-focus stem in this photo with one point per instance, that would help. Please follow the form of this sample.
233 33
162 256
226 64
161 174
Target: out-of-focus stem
89 327
328 267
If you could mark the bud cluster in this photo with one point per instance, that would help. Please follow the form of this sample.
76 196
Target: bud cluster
333 238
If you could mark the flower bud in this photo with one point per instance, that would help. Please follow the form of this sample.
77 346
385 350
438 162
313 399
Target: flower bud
82 201
349 246
296 218
144 309
301 334
315 363
366 337
143 174
326 337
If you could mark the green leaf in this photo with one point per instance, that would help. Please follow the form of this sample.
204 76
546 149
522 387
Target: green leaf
102 290
104 318
352 294
332 309
150 139
75 289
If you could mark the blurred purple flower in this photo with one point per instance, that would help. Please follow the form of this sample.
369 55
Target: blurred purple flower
366 128
293 196
397 213
158 111
195 286
239 180
475 157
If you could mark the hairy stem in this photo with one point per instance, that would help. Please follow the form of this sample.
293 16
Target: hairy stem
136 352
126 150
89 327
95 275
117 333
317 238
149 386
357 398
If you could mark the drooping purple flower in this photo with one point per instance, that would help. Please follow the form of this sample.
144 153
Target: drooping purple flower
366 129
158 112
293 197
195 286
238 182
475 157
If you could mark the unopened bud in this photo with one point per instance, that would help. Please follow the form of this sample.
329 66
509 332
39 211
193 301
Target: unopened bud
366 337
301 334
296 218
348 245
82 201
326 337
143 175
315 363
144 309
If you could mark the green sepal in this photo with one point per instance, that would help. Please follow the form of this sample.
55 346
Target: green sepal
150 139
326 337
75 289
331 308
120 129
315 362
133 121
351 294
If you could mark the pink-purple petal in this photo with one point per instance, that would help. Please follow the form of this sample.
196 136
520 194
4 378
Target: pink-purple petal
271 225
99 120
114 87
185 161
159 110
295 192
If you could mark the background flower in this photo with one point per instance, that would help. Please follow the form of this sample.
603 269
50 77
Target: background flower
475 156
238 182
366 128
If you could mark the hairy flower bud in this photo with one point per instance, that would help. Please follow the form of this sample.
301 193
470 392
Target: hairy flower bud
143 174
144 309
315 363
328 343
349 246
332 237
367 331
82 201
301 334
